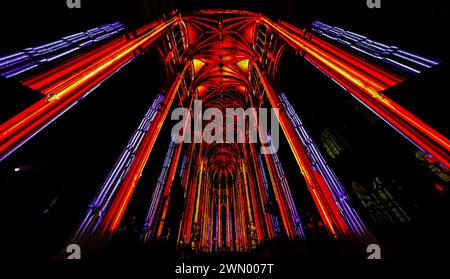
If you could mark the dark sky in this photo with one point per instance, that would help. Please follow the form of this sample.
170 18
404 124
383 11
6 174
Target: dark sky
414 25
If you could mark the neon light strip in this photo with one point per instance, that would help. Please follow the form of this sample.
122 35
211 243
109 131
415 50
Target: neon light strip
375 49
14 64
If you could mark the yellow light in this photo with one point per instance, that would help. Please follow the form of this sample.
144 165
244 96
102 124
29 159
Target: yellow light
243 64
198 65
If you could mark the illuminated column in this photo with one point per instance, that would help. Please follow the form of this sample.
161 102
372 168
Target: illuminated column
190 191
200 184
69 82
210 219
129 182
236 219
100 203
288 212
272 218
322 196
228 214
404 60
158 193
32 57
289 215
246 193
367 90
339 195
206 219
219 217
167 189
257 204
241 211
256 207
262 193
377 75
